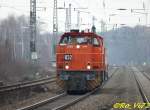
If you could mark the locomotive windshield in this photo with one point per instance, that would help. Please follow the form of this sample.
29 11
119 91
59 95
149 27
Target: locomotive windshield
76 40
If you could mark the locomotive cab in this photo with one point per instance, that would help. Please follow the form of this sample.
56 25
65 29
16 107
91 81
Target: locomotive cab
80 61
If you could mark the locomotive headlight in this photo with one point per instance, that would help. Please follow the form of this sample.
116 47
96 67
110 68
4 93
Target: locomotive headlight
66 67
88 67
78 46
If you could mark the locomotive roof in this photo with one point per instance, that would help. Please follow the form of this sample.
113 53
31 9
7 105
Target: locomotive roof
82 34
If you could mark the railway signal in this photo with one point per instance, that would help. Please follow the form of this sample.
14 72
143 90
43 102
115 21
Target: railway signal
55 29
33 30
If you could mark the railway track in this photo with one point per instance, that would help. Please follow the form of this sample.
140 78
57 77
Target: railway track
141 89
114 71
143 94
27 84
43 102
61 101
146 75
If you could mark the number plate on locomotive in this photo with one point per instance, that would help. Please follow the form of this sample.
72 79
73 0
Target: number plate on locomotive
68 57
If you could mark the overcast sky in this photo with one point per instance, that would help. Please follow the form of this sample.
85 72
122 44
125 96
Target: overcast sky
101 9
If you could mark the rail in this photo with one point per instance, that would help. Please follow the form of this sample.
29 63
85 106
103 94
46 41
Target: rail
141 90
27 84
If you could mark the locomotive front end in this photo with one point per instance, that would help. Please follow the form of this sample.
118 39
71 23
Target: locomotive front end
78 63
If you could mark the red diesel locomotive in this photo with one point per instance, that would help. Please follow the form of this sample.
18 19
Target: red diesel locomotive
80 60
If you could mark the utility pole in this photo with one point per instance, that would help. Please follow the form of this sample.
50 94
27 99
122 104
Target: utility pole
93 20
146 13
78 19
67 21
55 29
33 29
93 27
69 15
78 15
68 18
103 26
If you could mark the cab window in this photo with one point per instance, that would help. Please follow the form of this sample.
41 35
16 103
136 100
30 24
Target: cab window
96 42
83 40
76 40
66 40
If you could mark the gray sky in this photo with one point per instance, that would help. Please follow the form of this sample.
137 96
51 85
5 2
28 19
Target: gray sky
95 7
